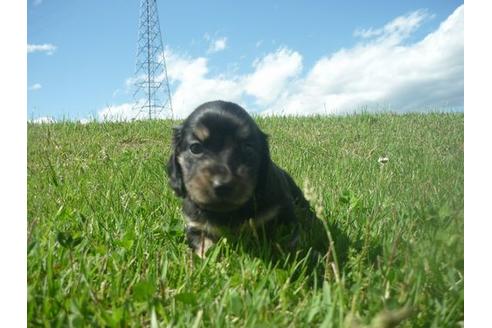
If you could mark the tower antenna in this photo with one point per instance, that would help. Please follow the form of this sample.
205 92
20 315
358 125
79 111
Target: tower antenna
152 95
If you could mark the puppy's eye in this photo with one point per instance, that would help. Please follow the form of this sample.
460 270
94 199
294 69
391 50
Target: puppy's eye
196 148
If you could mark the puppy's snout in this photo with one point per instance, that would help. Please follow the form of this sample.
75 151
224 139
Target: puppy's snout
222 181
222 188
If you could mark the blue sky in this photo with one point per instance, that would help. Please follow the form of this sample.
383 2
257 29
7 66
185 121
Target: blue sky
270 56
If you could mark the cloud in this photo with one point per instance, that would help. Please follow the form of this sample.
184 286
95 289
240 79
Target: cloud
84 121
35 86
383 69
123 112
44 120
130 111
271 75
193 86
216 45
48 48
396 30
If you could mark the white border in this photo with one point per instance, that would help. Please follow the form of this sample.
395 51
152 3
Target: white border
13 223
478 164
478 217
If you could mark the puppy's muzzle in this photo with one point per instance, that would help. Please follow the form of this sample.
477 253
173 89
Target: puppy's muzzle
222 187
222 181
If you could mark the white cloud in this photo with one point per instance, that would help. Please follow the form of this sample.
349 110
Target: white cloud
123 112
383 69
131 111
193 86
35 86
48 48
217 45
271 75
84 121
396 30
44 120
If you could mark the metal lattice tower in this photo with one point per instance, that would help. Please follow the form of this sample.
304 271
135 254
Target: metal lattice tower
152 94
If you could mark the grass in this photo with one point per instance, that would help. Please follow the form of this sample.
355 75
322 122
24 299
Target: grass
106 243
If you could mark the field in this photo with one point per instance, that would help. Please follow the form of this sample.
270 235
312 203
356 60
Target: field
106 242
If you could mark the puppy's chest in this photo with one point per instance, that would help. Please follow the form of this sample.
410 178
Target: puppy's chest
223 224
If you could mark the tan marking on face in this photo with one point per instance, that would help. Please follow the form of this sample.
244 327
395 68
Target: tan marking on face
246 189
199 187
181 161
201 132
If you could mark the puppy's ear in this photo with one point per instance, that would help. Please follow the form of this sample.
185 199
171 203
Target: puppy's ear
265 164
173 168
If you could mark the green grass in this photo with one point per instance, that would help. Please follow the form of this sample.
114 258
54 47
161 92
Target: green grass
106 243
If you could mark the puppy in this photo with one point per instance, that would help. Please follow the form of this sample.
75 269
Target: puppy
221 167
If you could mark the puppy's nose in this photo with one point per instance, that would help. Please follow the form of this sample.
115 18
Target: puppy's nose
222 185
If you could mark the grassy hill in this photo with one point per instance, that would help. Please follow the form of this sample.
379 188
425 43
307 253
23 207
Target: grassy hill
106 243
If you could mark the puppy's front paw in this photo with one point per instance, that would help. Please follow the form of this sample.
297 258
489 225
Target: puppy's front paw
204 245
199 241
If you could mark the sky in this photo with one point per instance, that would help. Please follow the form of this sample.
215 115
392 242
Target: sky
271 57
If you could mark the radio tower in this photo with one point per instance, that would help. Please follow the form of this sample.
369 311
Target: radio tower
152 94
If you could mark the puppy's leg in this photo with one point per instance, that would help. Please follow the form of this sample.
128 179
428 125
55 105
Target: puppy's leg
199 240
290 219
285 227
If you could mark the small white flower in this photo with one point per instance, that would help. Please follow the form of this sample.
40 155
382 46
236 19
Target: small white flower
383 160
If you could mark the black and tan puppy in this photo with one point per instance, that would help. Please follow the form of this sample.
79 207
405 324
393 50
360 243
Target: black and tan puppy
221 167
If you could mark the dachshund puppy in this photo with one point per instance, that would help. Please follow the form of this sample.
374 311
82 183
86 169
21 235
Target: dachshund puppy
221 167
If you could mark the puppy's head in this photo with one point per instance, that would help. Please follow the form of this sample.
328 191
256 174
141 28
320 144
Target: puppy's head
219 157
